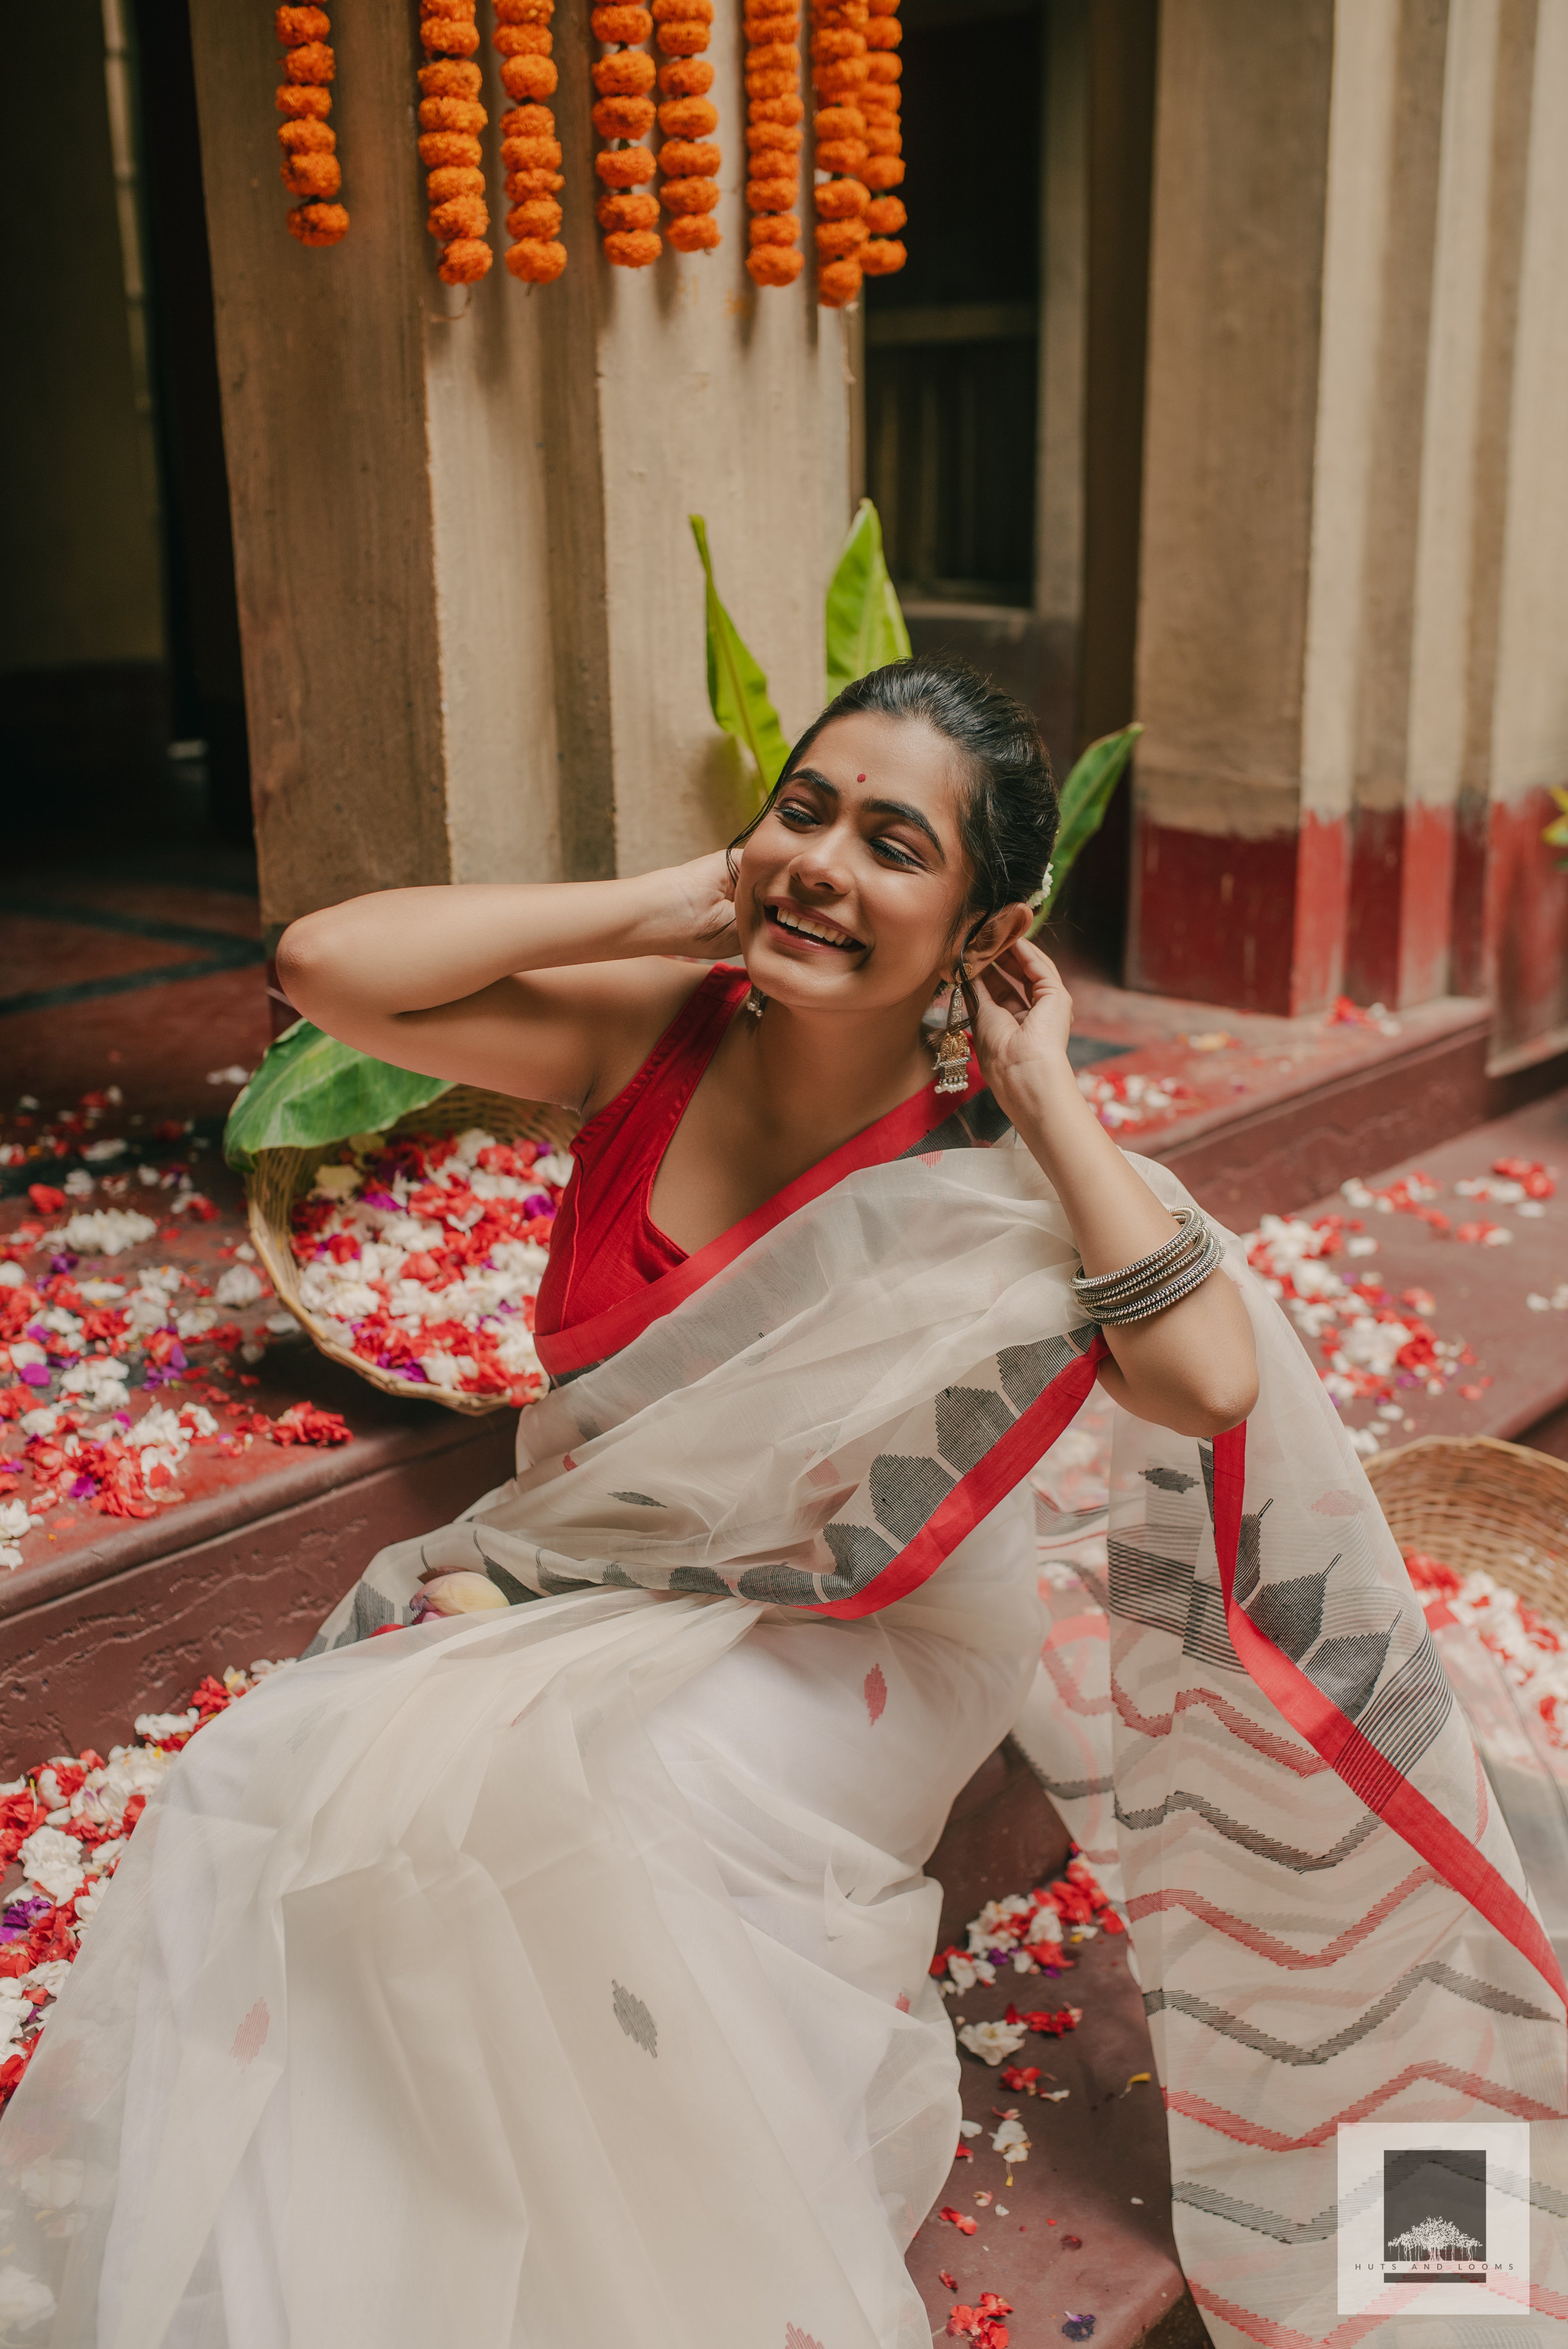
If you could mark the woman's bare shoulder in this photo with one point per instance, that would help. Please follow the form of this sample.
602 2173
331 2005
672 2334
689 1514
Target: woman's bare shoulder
620 1010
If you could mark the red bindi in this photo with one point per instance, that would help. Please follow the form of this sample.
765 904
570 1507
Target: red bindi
860 779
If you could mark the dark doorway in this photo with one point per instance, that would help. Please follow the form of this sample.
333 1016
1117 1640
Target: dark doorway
121 695
1004 372
951 342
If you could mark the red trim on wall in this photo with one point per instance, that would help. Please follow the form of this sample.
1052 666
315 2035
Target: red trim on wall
980 1490
1401 904
1525 955
1322 911
1426 913
1370 1777
1258 925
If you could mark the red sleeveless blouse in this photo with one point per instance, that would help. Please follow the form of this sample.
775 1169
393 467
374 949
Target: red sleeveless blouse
605 1244
611 1269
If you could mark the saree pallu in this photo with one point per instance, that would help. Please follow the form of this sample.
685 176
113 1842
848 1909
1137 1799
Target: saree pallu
558 1972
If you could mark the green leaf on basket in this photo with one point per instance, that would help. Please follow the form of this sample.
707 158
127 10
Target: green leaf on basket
865 619
1085 796
737 689
310 1089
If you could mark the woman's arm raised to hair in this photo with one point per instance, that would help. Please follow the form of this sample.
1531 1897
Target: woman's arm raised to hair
547 991
1193 1367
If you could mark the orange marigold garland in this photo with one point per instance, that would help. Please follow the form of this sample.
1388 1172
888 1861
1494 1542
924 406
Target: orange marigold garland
310 165
624 115
529 148
840 69
687 157
451 120
883 168
775 113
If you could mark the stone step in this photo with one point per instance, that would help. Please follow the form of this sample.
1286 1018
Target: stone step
1518 1385
1084 2226
1258 1114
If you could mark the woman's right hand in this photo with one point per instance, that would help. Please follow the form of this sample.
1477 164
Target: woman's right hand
702 910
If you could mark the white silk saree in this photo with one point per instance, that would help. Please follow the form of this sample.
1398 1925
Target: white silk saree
559 1972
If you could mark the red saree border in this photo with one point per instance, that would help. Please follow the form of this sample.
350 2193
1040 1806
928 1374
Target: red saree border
1367 1773
587 1342
1331 1733
980 1490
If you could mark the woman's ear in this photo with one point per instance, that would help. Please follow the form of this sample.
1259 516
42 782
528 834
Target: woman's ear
994 937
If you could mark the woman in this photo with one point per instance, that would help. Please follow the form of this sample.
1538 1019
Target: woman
556 1969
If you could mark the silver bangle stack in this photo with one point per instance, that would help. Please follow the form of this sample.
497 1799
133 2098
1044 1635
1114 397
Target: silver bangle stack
1155 1281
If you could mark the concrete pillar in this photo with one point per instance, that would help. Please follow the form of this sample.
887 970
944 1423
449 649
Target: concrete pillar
1239 878
1354 591
1524 943
471 608
1465 416
1401 868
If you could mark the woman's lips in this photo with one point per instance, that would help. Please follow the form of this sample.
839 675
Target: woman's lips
810 930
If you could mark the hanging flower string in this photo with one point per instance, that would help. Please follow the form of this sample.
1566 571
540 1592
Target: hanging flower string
523 41
840 69
687 157
883 168
628 211
774 112
310 165
451 120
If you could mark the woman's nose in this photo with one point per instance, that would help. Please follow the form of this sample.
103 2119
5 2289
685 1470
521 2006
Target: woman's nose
821 862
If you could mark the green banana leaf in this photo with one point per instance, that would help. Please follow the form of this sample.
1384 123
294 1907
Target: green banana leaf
865 620
310 1089
1085 796
737 689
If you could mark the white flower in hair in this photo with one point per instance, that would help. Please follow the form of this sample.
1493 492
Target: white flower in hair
1040 896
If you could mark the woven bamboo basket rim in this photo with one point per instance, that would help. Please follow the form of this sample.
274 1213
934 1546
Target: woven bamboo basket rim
279 1177
1477 1503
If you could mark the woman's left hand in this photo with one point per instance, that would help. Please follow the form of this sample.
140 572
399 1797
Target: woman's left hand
1021 1017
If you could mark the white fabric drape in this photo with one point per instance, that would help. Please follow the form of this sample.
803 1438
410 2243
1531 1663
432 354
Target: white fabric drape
559 1972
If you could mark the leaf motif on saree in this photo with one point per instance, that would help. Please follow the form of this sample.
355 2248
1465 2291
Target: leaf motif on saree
634 2019
905 1492
970 1420
1025 1371
1346 1670
860 1554
1290 1613
701 1579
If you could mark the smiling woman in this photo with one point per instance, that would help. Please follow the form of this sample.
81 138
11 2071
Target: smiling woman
636 1798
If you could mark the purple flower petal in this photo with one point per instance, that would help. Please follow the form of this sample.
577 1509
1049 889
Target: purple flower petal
84 1488
379 1199
36 1375
64 1263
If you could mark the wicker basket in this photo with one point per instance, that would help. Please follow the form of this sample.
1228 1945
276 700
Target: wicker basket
1474 1503
280 1176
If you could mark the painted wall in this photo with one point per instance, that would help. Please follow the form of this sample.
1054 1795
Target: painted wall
470 606
1354 594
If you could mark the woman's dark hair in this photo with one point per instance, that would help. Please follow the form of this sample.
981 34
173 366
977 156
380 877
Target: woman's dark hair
1009 815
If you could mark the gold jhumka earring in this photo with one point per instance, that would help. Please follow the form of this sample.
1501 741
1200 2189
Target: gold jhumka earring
952 1046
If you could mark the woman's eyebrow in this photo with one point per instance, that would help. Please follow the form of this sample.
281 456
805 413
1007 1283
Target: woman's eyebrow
877 807
910 815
